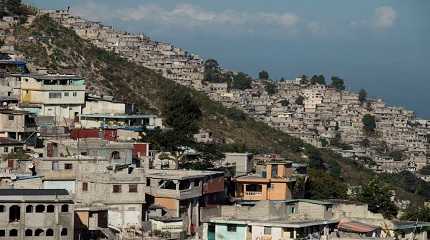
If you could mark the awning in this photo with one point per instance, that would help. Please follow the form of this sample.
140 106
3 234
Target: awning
356 227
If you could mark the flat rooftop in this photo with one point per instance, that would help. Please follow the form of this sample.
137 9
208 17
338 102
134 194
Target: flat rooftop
279 222
49 76
181 174
118 116
32 192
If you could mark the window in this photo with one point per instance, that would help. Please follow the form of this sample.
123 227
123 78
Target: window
231 228
40 208
13 233
55 95
49 232
64 232
115 155
66 94
1 208
6 149
211 228
267 231
254 188
274 171
75 94
132 188
2 233
84 186
148 182
116 188
68 166
38 232
28 232
65 208
55 165
14 213
11 117
50 208
29 209
196 182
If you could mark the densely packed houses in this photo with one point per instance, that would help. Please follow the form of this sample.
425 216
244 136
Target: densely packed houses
324 116
74 165
172 62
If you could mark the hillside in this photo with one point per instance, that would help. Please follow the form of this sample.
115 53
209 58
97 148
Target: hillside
47 44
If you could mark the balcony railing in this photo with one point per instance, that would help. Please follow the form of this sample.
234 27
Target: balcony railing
253 193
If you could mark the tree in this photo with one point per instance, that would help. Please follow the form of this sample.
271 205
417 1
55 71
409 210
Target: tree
414 213
282 79
337 83
315 160
318 79
299 100
425 170
212 72
362 95
284 102
365 143
396 155
263 75
182 113
241 81
378 197
304 80
324 186
324 142
11 7
270 88
369 123
211 64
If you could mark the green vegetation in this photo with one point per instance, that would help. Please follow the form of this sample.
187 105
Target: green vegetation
108 73
299 100
317 187
213 72
362 96
241 81
264 75
378 196
270 87
369 123
337 83
320 79
284 102
416 214
396 155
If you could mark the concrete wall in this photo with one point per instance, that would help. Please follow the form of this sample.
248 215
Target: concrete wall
122 215
12 125
104 107
56 221
258 233
68 185
221 232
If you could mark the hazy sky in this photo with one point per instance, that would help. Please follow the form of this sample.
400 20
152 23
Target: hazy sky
382 46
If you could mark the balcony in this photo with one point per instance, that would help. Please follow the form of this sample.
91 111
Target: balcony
63 88
176 193
253 193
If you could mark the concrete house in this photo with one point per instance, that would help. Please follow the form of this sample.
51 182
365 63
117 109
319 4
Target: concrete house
36 214
182 192
17 124
60 96
280 220
275 182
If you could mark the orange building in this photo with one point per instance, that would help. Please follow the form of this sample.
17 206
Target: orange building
275 182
